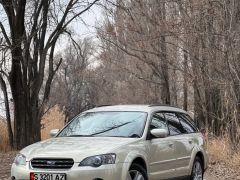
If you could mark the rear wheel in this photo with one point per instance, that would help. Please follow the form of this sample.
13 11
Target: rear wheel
137 172
197 169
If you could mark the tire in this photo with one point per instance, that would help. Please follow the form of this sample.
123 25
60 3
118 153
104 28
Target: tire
138 172
197 169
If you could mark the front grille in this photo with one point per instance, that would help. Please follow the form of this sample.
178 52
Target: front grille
42 163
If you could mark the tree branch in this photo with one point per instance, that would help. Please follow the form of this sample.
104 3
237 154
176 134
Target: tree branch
5 34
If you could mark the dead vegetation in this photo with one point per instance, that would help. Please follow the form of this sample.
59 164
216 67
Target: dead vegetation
224 161
53 119
221 151
4 145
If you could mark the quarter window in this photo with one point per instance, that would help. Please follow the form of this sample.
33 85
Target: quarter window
174 124
187 126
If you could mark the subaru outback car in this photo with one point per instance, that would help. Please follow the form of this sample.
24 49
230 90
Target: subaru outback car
122 142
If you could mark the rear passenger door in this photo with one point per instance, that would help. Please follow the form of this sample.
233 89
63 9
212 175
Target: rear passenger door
189 135
182 143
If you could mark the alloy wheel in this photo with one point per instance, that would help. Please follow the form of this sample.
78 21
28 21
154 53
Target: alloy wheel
197 171
135 175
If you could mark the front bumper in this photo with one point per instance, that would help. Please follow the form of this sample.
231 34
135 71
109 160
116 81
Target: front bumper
105 172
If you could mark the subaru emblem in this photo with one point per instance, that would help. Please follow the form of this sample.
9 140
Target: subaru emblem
51 162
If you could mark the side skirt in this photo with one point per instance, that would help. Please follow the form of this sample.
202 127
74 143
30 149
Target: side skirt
181 178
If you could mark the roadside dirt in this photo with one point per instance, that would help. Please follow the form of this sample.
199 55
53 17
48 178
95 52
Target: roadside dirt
6 160
217 171
221 171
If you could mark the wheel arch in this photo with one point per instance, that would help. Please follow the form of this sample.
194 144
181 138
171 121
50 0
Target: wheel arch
137 157
140 161
198 152
201 156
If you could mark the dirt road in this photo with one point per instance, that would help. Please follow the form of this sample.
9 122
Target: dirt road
210 177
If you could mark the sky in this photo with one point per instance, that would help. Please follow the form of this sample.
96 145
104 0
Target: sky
92 18
84 28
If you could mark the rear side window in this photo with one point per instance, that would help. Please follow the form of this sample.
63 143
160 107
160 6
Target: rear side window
186 123
174 125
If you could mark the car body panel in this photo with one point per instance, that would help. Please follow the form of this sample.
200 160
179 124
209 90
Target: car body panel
184 146
162 158
80 147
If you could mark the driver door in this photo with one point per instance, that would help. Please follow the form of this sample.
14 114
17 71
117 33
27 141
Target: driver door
162 151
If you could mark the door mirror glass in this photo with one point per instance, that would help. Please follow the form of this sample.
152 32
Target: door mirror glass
160 133
54 132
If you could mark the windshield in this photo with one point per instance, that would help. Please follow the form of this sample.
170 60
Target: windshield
107 124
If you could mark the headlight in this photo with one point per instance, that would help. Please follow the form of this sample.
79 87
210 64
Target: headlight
20 160
96 161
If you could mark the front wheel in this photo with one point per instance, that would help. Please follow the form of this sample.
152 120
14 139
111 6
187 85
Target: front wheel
137 172
197 169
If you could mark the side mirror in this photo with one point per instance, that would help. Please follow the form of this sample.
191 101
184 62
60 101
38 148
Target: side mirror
54 132
160 133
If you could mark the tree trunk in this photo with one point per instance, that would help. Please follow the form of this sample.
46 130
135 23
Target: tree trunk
185 84
26 121
8 116
198 110
165 87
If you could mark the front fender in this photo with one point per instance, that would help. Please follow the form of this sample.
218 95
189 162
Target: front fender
131 156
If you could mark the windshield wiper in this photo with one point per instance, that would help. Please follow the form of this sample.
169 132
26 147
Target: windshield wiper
134 136
79 135
100 132
115 127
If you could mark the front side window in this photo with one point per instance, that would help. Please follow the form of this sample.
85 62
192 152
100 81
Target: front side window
158 122
174 124
106 124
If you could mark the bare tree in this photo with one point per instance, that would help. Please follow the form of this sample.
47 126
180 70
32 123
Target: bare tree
34 29
182 52
73 84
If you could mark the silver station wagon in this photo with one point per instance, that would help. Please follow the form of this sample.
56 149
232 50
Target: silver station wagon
122 142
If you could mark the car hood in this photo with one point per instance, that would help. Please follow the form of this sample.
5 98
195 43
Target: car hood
76 148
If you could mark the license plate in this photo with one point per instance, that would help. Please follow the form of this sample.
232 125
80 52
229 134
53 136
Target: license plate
49 176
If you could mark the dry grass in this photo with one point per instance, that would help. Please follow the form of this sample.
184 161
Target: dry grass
4 145
220 151
53 119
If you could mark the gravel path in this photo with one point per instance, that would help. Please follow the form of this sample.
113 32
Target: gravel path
210 177
215 172
6 160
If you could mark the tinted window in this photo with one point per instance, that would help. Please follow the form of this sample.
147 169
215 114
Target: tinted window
186 123
174 124
158 122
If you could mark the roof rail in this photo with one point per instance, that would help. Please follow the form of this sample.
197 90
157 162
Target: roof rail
152 105
102 105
